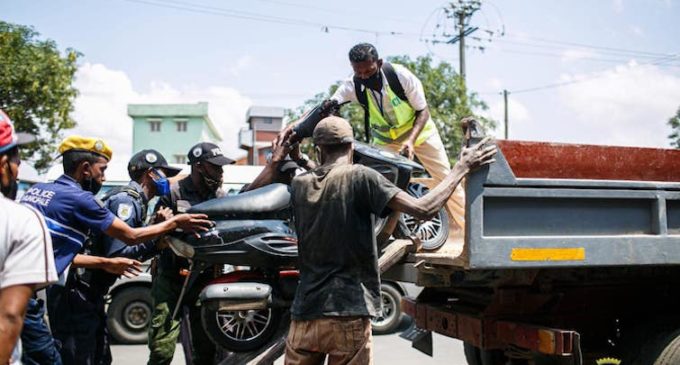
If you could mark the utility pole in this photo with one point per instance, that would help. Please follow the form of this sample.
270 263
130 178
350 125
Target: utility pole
461 44
505 104
460 11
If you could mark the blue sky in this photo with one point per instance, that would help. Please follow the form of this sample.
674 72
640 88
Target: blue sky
135 51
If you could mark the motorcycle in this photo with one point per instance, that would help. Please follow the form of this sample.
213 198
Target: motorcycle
241 309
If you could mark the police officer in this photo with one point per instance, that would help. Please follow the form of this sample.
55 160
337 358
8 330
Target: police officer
204 183
71 212
149 172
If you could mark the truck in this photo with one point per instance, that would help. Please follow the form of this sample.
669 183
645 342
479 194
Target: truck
571 255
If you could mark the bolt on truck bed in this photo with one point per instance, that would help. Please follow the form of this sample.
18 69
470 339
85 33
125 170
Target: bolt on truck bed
566 247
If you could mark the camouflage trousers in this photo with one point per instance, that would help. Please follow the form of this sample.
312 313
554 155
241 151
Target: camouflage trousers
165 330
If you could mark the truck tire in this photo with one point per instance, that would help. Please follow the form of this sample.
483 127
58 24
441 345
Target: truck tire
660 350
392 314
670 355
129 315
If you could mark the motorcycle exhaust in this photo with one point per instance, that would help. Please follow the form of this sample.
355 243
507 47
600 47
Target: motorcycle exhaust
237 296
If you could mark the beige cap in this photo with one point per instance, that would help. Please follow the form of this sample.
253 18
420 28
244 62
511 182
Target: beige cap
333 130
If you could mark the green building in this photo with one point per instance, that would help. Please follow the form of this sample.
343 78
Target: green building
171 128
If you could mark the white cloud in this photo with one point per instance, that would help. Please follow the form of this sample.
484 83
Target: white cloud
101 107
518 116
618 5
626 105
576 54
242 64
637 30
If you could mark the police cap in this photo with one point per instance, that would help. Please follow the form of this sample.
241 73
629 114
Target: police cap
147 159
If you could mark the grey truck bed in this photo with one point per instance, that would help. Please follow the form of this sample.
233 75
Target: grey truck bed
558 205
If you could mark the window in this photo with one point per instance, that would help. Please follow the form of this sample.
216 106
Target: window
181 126
155 125
267 120
182 159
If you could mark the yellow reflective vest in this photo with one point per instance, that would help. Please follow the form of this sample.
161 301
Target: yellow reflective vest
385 132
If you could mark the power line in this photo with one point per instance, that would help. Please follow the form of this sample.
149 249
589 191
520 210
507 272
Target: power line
658 62
559 47
230 13
333 11
584 45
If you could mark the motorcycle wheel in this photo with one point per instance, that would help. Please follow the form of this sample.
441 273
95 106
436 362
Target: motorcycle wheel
239 331
433 233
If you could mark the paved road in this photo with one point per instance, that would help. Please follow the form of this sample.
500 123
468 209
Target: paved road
388 349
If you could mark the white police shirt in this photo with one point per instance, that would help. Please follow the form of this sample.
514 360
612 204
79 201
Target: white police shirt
26 255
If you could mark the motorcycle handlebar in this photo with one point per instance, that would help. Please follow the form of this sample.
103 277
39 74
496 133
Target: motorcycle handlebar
306 127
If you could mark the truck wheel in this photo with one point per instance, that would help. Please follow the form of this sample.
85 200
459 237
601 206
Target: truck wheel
433 233
391 311
239 331
670 355
129 315
662 350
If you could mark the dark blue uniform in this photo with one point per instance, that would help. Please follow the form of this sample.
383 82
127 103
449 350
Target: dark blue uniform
71 214
86 291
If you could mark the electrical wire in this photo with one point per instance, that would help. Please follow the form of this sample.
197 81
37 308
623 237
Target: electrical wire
601 74
335 11
229 13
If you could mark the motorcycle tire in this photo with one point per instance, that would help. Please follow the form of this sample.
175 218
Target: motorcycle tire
249 331
433 233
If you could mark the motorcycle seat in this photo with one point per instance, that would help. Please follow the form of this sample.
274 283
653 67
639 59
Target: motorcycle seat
270 198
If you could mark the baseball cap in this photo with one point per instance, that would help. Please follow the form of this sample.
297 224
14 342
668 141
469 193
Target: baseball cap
332 130
209 152
150 158
9 138
86 144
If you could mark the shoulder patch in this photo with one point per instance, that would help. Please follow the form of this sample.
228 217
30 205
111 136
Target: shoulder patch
124 211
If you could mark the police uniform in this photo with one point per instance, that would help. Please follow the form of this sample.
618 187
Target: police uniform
129 203
167 284
70 213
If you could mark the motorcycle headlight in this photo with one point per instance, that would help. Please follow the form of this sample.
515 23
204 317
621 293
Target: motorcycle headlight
180 248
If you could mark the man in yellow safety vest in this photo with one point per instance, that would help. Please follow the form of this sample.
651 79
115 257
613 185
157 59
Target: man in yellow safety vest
397 116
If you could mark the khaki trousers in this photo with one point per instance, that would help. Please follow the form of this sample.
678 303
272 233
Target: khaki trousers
432 155
345 340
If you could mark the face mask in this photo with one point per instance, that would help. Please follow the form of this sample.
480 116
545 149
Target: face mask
374 82
211 183
91 185
161 183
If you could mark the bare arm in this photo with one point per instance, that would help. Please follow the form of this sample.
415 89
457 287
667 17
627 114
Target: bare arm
115 265
428 205
13 302
269 173
131 236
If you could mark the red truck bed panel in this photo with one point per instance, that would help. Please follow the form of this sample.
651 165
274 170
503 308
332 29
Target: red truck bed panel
577 161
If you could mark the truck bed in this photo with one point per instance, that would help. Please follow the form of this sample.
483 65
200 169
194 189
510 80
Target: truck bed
560 205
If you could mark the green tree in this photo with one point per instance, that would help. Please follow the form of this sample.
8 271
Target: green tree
36 88
447 98
674 122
